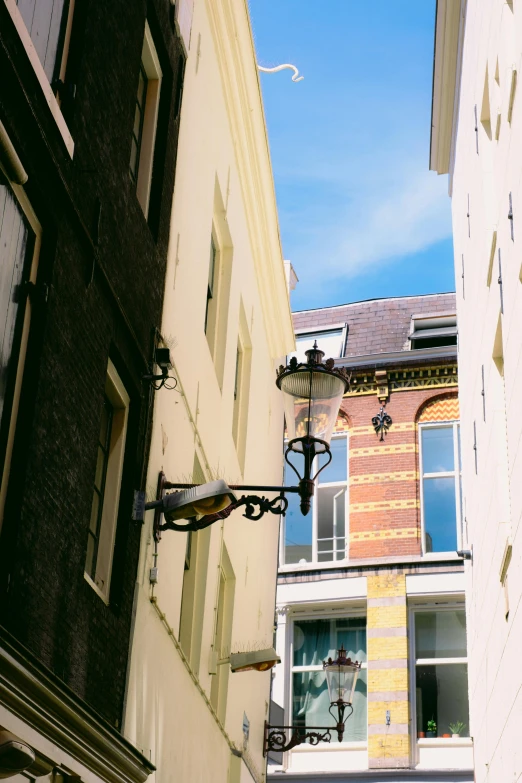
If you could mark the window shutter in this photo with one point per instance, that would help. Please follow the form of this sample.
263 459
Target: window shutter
184 13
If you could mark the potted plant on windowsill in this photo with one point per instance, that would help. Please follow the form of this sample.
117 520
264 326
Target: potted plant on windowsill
431 727
456 728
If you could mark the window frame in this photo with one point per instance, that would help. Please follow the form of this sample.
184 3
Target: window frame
451 604
39 71
315 562
330 613
456 474
316 334
150 64
30 276
119 398
429 323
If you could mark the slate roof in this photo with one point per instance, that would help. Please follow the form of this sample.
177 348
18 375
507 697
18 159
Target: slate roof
376 325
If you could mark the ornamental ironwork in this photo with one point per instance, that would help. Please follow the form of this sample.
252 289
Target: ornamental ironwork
381 423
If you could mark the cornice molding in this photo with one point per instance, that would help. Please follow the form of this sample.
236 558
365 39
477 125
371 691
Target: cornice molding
445 73
437 377
232 35
50 708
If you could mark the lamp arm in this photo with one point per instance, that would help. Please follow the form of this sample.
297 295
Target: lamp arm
276 737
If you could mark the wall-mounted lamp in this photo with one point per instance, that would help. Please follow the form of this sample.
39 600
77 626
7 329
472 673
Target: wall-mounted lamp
312 393
163 360
341 678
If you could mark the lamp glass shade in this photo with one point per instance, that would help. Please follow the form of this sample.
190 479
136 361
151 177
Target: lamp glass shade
311 402
341 678
198 501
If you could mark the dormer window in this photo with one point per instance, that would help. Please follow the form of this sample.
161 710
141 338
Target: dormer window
331 340
433 331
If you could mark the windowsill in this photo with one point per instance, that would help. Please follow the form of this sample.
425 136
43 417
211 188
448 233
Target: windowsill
40 74
337 747
432 557
444 742
95 588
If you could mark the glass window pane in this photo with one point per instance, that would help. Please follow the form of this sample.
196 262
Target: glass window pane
337 469
328 341
317 640
437 450
298 532
440 634
442 695
100 465
93 524
311 705
89 560
331 511
440 514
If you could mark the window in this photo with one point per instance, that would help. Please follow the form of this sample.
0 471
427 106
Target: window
441 671
20 235
313 642
241 388
194 585
321 535
48 23
332 341
433 331
222 633
145 120
440 486
210 310
106 485
218 286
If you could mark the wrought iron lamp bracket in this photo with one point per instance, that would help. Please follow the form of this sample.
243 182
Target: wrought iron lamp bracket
276 737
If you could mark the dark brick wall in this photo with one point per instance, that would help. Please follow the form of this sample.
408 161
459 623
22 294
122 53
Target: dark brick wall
105 268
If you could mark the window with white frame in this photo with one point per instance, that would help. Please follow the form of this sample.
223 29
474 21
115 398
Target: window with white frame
433 331
440 486
314 641
145 120
321 535
107 482
331 340
441 671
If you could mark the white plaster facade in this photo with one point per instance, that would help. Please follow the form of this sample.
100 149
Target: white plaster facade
223 190
476 131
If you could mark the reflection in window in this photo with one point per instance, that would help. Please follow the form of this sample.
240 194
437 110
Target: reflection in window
314 641
321 535
330 341
441 674
440 486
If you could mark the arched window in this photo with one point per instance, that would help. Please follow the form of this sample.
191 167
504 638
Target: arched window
440 475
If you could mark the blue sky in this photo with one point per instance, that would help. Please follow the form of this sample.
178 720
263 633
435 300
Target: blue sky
361 215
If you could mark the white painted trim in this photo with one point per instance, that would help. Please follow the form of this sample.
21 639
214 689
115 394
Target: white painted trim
234 47
37 66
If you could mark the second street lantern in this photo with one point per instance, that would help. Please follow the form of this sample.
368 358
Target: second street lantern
312 394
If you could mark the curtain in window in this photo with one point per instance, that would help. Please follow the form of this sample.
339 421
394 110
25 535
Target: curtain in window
314 642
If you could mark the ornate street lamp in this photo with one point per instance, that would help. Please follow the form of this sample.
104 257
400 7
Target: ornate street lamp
341 678
312 392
